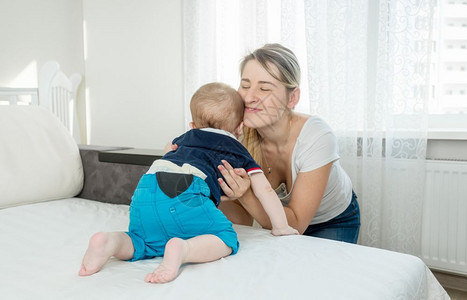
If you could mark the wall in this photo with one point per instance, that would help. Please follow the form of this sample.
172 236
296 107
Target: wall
130 54
134 72
35 31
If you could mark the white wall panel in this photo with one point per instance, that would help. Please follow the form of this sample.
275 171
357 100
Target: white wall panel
134 72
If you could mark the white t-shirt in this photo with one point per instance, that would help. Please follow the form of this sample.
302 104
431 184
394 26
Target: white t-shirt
317 146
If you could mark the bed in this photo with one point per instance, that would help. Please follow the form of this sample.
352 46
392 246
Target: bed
48 212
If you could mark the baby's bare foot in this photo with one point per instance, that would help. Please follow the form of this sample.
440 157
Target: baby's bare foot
162 274
96 255
284 231
175 252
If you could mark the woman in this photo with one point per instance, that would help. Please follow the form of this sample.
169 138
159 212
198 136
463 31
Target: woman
298 154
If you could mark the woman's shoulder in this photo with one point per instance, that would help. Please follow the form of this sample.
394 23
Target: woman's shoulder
314 126
316 145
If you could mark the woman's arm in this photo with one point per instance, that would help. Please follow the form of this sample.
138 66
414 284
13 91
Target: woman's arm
239 180
236 213
306 197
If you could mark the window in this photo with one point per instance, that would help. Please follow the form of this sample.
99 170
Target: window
450 58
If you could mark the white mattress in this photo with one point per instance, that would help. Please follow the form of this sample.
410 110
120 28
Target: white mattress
42 245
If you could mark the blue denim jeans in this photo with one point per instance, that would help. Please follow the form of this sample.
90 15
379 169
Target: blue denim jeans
345 227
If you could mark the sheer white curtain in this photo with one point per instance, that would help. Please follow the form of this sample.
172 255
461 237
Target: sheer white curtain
364 69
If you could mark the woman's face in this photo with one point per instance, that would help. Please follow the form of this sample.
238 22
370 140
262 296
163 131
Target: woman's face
265 98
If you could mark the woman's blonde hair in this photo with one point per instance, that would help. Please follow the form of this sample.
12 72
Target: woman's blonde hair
217 105
286 71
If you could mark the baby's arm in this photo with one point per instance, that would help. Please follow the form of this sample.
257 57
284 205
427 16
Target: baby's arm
271 204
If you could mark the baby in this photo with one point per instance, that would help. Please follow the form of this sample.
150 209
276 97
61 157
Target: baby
174 211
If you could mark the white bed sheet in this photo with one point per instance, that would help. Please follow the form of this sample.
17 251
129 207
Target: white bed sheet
42 245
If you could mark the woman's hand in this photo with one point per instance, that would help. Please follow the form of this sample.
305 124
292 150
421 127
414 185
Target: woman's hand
235 183
170 147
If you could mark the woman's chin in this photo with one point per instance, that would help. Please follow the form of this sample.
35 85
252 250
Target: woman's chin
252 123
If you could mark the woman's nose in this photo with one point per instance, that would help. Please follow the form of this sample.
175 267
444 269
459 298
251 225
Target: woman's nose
251 97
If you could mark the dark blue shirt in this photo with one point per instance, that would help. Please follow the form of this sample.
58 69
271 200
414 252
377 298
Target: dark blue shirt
205 150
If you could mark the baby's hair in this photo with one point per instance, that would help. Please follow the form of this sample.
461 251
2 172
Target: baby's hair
217 105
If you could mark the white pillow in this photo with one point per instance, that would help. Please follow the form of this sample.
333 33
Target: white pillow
39 160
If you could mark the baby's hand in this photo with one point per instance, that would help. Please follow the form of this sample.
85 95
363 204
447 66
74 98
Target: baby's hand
284 231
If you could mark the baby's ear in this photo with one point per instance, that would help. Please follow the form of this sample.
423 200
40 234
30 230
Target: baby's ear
192 125
239 130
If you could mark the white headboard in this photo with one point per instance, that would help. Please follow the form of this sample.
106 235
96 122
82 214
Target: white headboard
56 92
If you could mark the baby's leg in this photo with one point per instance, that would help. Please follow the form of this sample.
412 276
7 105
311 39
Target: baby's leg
199 249
102 246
